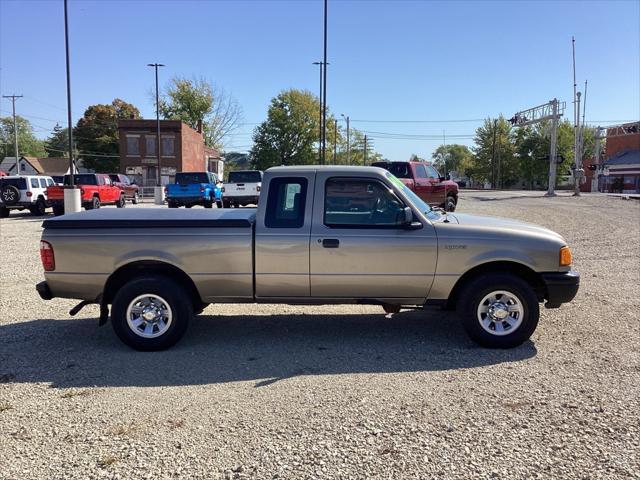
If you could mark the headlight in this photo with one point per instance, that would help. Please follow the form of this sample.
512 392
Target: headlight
565 256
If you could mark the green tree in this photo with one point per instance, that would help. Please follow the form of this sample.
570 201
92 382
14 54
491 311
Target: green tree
453 157
289 134
57 145
96 134
28 144
495 159
194 100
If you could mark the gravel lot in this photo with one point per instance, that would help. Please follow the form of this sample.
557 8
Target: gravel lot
275 391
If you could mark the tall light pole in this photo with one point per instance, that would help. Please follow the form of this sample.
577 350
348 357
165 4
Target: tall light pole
335 141
321 64
324 88
346 118
159 192
15 130
72 200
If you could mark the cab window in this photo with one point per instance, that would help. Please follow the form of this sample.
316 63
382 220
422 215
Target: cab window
421 172
43 183
432 172
361 203
286 202
34 183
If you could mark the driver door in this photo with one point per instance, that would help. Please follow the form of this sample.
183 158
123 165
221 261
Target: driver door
359 246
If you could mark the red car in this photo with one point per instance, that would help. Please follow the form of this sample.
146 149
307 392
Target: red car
425 181
96 189
130 189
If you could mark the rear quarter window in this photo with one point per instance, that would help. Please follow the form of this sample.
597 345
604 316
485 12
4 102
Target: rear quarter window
286 202
34 183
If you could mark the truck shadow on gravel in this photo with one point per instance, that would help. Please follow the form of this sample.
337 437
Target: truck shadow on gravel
260 348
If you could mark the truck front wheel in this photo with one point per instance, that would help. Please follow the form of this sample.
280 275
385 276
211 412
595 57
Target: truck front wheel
450 203
499 310
151 313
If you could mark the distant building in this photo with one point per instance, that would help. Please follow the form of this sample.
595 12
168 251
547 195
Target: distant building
40 166
182 150
620 172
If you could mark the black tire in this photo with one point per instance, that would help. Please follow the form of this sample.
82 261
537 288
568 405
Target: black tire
208 203
218 204
471 298
172 204
39 209
4 212
188 206
226 204
121 202
58 210
136 199
450 203
93 204
173 295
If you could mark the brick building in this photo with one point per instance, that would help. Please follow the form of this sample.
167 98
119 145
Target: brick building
621 166
182 150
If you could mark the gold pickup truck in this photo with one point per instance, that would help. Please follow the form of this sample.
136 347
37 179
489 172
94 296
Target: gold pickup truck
320 235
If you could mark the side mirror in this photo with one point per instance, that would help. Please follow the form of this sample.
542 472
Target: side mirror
442 179
408 222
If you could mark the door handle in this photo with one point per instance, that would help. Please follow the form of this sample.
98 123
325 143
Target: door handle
330 243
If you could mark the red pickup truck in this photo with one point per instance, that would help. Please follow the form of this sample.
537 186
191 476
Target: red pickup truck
95 189
425 181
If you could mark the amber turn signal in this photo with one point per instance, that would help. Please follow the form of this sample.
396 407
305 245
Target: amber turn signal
565 257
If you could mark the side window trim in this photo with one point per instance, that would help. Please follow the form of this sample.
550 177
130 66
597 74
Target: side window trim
359 226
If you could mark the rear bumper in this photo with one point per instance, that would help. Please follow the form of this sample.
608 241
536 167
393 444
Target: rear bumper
186 200
561 287
20 205
241 198
44 291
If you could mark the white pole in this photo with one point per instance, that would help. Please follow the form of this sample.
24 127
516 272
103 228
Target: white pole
552 154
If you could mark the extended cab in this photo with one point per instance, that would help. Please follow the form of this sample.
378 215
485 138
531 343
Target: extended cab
320 235
242 188
96 189
423 179
194 188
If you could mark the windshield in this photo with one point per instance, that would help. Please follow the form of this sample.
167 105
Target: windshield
81 179
245 177
415 200
187 178
398 169
19 183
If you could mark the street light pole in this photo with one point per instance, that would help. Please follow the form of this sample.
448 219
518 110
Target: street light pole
15 130
72 197
324 88
346 117
335 141
321 64
159 192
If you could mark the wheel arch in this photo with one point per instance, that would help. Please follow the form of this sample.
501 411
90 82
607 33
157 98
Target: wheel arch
141 268
520 270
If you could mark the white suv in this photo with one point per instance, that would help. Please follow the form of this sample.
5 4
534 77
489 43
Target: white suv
18 192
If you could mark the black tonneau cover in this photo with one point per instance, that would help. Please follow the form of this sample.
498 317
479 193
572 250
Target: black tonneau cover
155 218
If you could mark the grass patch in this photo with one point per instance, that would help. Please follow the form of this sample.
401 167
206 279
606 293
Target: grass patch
4 406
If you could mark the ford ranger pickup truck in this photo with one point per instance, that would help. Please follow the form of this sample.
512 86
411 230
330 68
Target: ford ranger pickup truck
96 189
426 182
320 235
194 188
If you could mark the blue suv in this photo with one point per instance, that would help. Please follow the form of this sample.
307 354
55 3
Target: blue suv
194 188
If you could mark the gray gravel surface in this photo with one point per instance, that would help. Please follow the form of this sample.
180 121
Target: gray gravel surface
274 391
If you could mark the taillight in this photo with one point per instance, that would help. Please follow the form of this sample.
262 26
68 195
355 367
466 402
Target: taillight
166 190
201 190
29 194
81 191
47 256
258 188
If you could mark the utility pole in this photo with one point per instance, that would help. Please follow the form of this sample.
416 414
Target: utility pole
72 196
493 154
159 192
577 156
365 150
324 88
348 140
15 130
553 163
335 141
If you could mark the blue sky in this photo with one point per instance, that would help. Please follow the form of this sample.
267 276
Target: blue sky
391 61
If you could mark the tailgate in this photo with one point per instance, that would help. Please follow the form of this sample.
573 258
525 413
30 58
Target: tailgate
240 189
55 193
190 190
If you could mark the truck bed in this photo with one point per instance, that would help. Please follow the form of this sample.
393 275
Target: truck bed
214 247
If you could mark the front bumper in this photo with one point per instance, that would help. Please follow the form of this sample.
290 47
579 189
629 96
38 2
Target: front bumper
44 291
561 287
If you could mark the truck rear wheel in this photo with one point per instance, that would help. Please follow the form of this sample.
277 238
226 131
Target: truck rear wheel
499 310
58 210
93 204
121 201
151 313
135 199
39 208
226 204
